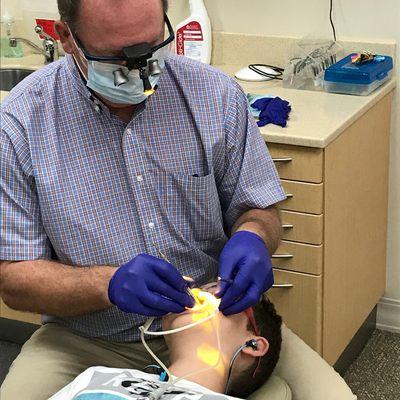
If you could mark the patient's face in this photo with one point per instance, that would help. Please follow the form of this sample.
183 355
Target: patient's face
232 329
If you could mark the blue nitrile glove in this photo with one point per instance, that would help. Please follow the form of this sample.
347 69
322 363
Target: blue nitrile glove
245 272
150 286
272 110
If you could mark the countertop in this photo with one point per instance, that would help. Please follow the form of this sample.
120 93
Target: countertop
317 118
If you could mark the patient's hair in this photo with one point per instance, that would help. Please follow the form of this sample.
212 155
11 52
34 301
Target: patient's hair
242 383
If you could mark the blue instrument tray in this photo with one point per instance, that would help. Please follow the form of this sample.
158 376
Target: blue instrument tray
359 79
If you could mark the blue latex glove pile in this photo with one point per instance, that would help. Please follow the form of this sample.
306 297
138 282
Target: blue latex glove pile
272 110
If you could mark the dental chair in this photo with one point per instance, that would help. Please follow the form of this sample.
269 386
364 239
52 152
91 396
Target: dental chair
301 374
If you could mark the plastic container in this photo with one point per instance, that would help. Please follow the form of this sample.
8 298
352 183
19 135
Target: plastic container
312 55
348 78
193 35
7 32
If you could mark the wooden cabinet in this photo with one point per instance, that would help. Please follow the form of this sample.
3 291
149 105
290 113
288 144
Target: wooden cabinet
298 163
301 304
334 247
303 197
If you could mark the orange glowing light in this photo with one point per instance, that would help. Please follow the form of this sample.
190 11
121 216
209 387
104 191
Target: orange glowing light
210 356
205 305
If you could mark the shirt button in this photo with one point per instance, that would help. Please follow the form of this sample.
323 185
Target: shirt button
151 225
139 178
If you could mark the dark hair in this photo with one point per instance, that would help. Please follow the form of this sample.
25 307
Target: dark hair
69 11
269 322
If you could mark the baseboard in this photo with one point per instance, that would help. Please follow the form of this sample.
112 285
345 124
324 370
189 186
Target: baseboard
357 343
388 315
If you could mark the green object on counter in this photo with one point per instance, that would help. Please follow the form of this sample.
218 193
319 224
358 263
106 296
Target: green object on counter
10 52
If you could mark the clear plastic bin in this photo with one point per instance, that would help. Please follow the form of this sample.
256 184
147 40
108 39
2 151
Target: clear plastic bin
354 88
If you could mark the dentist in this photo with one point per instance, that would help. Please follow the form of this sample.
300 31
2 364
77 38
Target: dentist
111 157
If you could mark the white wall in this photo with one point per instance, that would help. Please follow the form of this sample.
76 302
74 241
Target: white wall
354 18
358 19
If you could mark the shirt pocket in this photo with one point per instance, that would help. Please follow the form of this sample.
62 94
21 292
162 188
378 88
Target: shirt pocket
191 204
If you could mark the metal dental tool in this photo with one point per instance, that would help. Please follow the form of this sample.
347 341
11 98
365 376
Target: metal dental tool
188 279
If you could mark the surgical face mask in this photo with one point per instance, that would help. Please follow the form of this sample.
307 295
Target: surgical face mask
101 80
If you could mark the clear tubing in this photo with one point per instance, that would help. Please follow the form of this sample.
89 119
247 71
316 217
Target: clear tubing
162 333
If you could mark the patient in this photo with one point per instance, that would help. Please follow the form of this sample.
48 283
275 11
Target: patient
195 351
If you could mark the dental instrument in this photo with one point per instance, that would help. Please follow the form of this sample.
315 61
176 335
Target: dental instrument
188 279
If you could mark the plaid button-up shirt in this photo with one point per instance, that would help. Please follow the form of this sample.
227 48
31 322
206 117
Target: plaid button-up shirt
80 186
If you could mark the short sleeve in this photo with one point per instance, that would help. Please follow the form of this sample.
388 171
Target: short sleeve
250 179
22 236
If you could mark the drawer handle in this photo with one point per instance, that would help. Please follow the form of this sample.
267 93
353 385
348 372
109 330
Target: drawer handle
283 285
289 195
282 159
287 226
282 256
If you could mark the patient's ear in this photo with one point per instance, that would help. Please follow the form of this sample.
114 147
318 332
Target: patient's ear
262 347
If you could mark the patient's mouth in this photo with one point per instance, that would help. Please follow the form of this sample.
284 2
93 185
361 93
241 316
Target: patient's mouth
205 302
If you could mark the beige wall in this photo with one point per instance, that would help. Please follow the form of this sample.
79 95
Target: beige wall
359 19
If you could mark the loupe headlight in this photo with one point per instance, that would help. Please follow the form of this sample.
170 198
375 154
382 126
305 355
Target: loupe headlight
139 56
154 67
119 77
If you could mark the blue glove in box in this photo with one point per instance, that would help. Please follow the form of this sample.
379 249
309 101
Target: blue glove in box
359 79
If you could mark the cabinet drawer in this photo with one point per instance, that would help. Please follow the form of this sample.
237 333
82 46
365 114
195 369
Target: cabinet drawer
301 305
297 162
303 197
298 257
299 227
7 312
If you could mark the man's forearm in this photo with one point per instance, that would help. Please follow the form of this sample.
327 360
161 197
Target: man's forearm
265 223
49 287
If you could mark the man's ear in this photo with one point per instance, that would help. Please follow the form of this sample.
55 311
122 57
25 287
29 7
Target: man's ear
65 36
262 347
